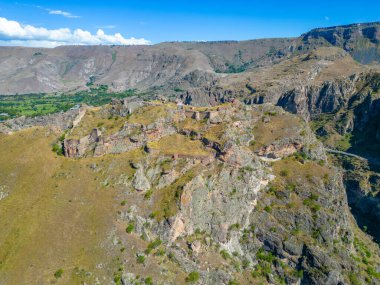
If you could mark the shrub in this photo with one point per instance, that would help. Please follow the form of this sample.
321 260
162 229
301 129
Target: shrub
192 277
291 187
234 191
62 137
224 253
130 228
148 195
57 148
268 209
140 259
58 273
123 203
284 172
261 270
354 279
235 227
148 281
265 256
154 244
160 252
372 272
299 274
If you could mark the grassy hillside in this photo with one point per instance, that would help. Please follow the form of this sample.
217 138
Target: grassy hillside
58 215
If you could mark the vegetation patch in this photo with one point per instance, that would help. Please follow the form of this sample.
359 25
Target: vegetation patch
279 126
179 145
149 114
31 105
97 118
166 200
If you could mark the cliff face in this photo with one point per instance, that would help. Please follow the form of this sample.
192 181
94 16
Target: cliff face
360 40
230 193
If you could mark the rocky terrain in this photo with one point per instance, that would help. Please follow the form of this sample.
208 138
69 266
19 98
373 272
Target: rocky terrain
164 193
252 162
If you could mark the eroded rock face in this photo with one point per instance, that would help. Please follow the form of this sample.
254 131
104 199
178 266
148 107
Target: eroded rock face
276 151
140 182
204 197
78 148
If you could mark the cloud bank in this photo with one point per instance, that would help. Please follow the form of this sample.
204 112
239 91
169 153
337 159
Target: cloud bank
12 33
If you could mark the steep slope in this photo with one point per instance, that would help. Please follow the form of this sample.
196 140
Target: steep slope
239 56
154 192
362 41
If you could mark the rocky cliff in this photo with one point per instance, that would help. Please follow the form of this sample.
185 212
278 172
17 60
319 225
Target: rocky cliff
360 40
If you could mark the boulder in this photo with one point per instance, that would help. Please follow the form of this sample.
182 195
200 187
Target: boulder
140 182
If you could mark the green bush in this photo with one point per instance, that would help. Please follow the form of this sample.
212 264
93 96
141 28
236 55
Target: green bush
58 273
372 272
148 195
152 215
224 253
140 259
235 227
192 277
154 244
57 148
268 209
148 281
265 256
130 228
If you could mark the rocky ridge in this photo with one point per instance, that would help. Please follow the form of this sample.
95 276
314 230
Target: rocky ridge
231 193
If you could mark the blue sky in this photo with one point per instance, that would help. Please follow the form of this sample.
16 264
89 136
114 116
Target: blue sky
167 20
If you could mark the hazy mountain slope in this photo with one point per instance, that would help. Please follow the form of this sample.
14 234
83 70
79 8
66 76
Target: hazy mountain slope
167 65
25 70
34 70
238 56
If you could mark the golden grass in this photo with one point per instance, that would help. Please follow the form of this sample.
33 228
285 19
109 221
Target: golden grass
149 114
97 118
280 126
205 109
216 133
59 211
191 125
180 145
289 170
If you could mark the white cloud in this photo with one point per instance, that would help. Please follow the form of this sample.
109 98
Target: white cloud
12 33
107 27
62 13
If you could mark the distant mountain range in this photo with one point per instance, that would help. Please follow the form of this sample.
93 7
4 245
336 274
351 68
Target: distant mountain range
164 66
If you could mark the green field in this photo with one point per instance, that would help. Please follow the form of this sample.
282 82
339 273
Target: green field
12 106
